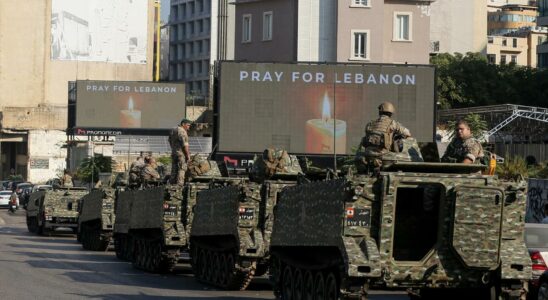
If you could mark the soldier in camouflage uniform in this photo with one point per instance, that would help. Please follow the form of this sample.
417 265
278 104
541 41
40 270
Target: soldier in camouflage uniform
180 152
66 180
379 136
463 148
149 172
135 171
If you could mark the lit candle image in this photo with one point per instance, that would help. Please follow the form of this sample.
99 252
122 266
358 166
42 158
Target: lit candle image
326 135
130 118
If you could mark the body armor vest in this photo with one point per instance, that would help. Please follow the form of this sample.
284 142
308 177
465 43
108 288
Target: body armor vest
378 134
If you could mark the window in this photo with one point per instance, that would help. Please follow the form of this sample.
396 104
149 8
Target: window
246 29
502 59
267 26
489 39
504 43
402 26
514 59
491 58
360 3
359 45
515 43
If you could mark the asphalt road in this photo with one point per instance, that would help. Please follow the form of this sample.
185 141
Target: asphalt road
56 267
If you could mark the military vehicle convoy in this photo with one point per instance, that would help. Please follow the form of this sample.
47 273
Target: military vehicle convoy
48 210
441 230
96 219
232 224
149 230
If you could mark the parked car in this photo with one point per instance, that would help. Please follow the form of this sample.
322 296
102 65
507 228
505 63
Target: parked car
21 186
4 185
536 239
12 185
41 187
5 198
27 190
54 182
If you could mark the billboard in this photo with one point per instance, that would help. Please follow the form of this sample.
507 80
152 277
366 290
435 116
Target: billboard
128 105
318 109
98 30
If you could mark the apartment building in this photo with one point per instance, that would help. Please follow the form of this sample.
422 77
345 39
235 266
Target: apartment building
200 33
458 26
511 18
542 20
46 44
390 31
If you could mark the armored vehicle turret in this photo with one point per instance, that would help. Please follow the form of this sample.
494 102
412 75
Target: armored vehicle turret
440 230
231 228
96 219
48 210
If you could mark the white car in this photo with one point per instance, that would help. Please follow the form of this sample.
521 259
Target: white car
5 198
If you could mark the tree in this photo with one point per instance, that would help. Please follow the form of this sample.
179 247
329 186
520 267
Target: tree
92 166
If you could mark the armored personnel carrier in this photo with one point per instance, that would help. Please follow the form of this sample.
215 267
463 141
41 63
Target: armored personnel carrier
48 210
441 230
96 219
231 228
149 228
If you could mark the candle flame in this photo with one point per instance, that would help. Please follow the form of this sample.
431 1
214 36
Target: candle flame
130 104
326 110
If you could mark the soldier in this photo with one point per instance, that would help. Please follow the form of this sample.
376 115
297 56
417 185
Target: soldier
180 152
66 180
463 148
135 170
149 172
379 136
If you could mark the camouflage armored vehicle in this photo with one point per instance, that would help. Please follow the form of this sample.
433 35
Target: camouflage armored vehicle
149 230
440 230
230 234
48 210
96 219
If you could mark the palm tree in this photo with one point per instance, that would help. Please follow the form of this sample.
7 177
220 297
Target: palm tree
91 167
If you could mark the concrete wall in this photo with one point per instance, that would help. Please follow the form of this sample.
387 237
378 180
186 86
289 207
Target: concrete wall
46 158
459 26
29 77
282 47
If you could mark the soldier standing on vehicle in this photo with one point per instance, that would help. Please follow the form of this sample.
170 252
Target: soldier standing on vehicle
66 180
463 148
379 136
180 152
135 170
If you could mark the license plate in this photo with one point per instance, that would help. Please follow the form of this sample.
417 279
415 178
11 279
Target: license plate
358 217
247 213
170 210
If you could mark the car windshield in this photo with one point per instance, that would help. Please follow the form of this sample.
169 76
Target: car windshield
5 193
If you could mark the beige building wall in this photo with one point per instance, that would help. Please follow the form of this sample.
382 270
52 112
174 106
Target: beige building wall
378 19
458 26
504 48
28 77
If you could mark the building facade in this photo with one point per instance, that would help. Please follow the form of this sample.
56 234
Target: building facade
458 26
506 50
199 35
390 31
542 20
46 52
511 18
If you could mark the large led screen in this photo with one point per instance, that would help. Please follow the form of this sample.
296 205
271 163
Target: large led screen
112 31
126 104
318 109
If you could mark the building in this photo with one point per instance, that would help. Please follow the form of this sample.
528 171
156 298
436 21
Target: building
52 43
458 26
542 20
164 52
198 33
496 5
505 50
389 31
511 18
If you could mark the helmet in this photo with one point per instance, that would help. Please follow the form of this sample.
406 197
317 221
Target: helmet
387 107
185 121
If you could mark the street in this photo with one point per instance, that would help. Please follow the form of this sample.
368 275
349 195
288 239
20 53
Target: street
56 267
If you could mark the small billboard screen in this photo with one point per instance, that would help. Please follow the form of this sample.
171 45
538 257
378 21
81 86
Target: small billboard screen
318 109
128 105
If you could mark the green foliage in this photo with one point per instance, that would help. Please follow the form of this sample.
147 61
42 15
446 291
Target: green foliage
513 168
165 160
94 165
477 125
469 80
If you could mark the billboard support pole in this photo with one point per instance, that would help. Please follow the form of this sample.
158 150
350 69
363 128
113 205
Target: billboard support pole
334 127
128 157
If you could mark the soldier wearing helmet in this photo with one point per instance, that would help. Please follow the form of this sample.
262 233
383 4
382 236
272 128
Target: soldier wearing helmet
379 136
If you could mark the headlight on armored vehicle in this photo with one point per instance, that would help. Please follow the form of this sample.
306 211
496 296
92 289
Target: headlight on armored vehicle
358 190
